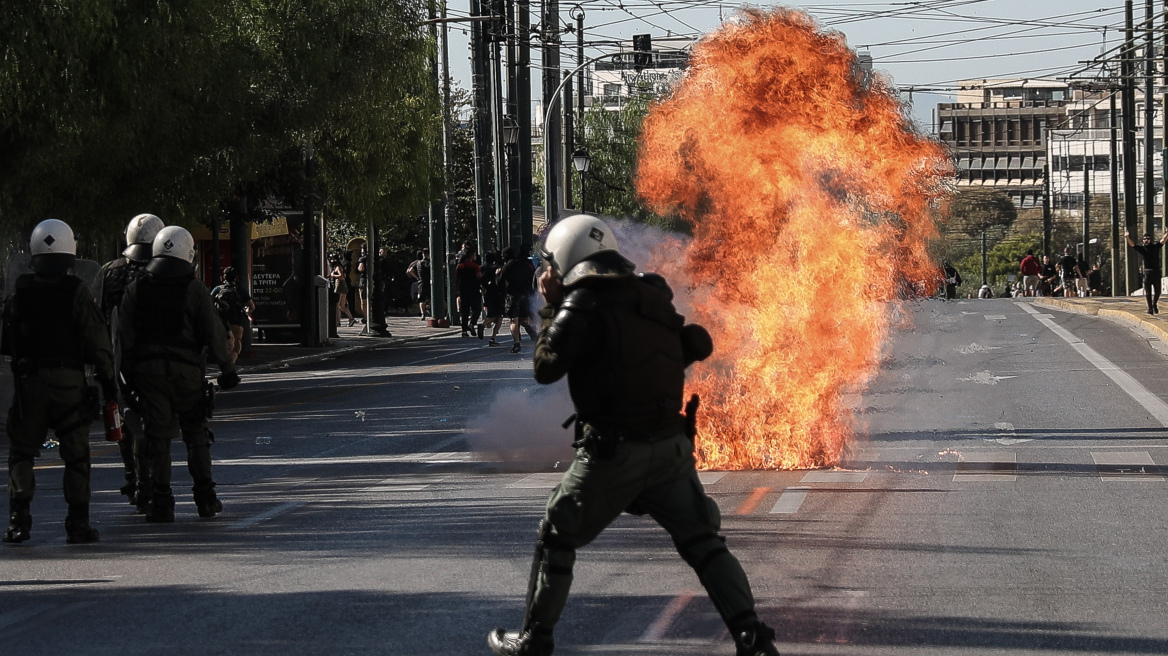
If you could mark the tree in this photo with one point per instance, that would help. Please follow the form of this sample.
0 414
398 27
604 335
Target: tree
111 108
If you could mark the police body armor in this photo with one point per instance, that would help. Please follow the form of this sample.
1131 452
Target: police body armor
160 314
117 277
45 333
635 380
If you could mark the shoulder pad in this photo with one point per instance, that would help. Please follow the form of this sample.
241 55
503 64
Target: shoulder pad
658 282
24 281
580 299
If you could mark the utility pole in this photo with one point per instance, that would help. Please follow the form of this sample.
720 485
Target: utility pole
578 13
484 234
308 268
1127 79
1115 252
523 145
569 141
498 30
1087 167
1149 120
1046 203
551 130
437 210
514 199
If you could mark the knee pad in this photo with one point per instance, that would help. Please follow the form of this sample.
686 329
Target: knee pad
701 550
557 556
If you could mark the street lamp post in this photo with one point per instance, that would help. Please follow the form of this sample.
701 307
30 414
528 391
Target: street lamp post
581 161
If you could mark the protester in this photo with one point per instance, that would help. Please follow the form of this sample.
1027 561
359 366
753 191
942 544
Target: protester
341 290
494 300
1150 252
231 309
1030 269
419 272
517 278
1069 273
1047 277
470 298
952 280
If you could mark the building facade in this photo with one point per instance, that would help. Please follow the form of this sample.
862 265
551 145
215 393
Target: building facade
997 133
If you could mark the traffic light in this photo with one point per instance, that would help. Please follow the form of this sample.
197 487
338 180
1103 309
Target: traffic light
642 51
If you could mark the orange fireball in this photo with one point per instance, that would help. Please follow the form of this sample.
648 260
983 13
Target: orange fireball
811 198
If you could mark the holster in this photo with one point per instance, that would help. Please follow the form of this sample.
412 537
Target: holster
601 445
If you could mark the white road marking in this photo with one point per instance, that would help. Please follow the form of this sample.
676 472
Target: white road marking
536 481
661 624
995 317
1134 389
972 472
790 500
834 477
1127 466
710 477
438 456
266 515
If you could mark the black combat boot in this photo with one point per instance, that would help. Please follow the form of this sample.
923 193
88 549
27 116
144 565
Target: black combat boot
535 641
207 503
19 522
130 489
77 528
161 509
757 640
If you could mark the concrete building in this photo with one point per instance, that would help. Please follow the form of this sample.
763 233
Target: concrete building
997 133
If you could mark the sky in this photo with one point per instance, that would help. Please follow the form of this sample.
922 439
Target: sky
923 45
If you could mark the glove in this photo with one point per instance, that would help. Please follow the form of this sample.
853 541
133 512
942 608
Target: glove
228 379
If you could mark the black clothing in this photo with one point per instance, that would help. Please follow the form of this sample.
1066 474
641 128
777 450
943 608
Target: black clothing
517 278
952 280
1069 266
116 277
1151 255
493 296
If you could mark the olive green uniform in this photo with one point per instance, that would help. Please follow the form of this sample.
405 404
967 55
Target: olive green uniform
116 276
52 329
165 325
624 349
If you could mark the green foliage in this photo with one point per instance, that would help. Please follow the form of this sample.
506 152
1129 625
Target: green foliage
1002 261
109 108
611 139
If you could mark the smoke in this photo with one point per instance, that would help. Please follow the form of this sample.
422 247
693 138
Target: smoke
522 429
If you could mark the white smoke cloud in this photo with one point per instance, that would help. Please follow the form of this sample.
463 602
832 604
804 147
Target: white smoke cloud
522 429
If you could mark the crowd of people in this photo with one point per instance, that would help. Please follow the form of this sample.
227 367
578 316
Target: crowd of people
499 287
1070 276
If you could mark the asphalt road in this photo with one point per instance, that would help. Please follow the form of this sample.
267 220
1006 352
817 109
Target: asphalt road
1009 498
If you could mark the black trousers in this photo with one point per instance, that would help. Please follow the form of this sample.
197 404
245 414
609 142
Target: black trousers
1152 286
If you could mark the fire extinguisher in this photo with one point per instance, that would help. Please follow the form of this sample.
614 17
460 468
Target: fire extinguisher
113 422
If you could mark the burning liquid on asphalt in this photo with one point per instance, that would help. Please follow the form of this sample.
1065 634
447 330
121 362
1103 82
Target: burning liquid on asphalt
812 201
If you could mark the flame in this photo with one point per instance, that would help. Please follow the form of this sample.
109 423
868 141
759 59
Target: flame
812 201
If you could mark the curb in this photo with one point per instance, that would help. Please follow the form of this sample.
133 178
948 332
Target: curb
1160 328
375 343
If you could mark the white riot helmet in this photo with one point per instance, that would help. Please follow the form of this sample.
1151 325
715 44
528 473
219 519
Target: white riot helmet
575 238
140 237
174 253
53 247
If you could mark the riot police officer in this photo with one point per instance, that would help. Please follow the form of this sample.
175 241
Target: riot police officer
116 276
624 348
168 319
52 329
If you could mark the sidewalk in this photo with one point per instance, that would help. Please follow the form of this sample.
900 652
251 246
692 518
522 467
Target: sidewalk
1132 310
401 329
